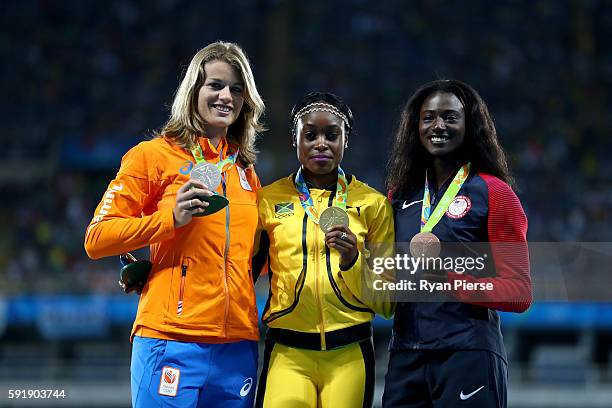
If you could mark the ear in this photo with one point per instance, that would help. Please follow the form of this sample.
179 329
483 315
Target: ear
347 132
293 141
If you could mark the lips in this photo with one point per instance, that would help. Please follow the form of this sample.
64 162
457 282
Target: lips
321 158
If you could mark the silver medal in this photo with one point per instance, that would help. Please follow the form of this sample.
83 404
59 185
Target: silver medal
208 174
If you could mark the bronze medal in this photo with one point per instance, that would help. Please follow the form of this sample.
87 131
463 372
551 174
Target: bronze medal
425 244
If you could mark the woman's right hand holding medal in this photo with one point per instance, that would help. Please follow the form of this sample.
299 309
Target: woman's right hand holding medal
189 202
342 239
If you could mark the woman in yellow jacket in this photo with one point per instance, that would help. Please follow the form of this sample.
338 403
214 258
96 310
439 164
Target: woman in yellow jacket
319 350
195 334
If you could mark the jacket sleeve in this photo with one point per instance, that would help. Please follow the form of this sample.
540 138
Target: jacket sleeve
360 277
118 224
261 247
507 232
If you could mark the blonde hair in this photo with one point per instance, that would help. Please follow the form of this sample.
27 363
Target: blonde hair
185 123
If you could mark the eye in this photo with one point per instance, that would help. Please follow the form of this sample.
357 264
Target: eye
332 135
451 118
236 90
310 135
215 86
427 117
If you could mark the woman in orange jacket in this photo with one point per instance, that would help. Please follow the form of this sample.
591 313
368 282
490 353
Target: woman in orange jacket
195 334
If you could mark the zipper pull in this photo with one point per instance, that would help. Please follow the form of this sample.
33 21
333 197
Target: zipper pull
179 309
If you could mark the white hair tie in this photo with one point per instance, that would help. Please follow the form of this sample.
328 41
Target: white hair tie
319 107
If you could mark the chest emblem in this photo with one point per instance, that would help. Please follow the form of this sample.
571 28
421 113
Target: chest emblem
459 207
243 179
282 210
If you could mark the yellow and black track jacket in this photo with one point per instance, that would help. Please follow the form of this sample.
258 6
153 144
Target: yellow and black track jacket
308 291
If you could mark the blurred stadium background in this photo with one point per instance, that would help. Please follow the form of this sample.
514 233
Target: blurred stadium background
85 81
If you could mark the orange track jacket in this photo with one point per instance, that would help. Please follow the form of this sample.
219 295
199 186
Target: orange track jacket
200 287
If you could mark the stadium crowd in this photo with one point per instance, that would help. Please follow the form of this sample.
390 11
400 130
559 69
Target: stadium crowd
86 80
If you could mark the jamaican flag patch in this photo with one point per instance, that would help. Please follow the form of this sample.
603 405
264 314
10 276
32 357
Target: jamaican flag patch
282 210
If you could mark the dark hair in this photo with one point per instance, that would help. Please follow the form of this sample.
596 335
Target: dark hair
326 97
409 159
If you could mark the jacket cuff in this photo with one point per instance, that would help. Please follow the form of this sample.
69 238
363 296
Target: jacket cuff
350 265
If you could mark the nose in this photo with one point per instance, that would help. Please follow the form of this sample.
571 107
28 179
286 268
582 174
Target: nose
225 94
439 125
321 143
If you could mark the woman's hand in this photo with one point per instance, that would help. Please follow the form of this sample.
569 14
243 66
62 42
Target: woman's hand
188 202
343 240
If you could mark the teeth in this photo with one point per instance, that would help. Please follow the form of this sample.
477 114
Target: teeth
222 108
439 139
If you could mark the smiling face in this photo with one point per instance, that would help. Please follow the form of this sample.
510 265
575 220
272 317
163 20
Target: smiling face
442 124
221 97
320 141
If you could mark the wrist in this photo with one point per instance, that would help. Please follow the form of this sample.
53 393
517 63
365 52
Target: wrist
345 266
174 218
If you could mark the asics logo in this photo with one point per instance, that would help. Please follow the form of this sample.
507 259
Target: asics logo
470 395
186 167
248 383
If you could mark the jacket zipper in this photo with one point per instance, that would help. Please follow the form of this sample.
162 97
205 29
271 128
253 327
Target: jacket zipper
184 265
317 281
415 319
227 244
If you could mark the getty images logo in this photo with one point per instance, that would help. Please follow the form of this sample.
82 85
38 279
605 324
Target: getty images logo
246 388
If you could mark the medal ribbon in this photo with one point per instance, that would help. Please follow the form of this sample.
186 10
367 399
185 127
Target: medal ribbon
306 199
429 220
222 165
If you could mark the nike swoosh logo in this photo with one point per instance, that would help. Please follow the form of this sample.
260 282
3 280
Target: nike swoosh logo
404 205
471 394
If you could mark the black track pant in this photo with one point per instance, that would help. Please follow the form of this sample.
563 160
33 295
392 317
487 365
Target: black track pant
445 378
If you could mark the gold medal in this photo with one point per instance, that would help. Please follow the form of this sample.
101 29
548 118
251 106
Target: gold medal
331 217
425 244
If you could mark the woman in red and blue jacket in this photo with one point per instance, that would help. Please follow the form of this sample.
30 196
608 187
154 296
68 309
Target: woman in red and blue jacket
446 154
